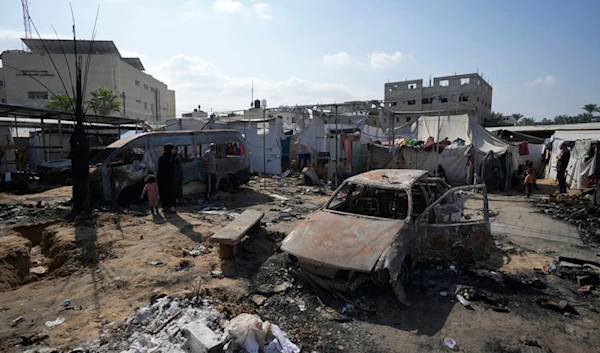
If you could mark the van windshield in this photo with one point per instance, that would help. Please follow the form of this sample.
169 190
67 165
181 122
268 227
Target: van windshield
101 157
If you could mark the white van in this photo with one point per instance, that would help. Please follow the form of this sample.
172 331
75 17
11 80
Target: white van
121 168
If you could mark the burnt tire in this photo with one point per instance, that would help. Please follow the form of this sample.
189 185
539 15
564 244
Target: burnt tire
229 184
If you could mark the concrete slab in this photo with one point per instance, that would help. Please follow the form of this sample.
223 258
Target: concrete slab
201 339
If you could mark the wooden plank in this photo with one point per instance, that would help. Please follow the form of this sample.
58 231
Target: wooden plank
235 231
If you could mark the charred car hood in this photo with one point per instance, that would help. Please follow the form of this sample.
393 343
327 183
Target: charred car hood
341 240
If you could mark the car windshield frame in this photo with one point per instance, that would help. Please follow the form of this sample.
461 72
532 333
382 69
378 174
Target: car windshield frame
326 206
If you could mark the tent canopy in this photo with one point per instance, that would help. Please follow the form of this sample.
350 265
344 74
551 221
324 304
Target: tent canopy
460 126
574 135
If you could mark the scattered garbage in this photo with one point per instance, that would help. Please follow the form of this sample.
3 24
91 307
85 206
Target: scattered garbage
197 250
449 342
462 300
16 321
67 302
217 274
279 197
443 293
249 332
39 270
144 344
56 322
183 265
155 263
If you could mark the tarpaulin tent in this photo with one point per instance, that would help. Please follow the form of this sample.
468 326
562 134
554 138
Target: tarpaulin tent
580 167
477 143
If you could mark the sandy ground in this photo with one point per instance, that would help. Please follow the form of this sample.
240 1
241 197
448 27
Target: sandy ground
118 263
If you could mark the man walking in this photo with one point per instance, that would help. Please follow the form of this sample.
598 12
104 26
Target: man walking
210 167
561 168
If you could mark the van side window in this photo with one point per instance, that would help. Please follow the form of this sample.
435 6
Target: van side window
230 149
128 156
186 153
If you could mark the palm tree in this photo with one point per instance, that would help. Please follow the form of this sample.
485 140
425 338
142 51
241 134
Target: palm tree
546 121
527 121
584 118
517 116
61 102
591 108
104 101
495 119
563 119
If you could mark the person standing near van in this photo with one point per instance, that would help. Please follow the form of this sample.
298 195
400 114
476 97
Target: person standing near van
210 167
166 176
178 174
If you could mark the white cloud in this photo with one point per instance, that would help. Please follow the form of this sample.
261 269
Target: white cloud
228 6
197 81
384 60
548 80
374 60
263 10
340 59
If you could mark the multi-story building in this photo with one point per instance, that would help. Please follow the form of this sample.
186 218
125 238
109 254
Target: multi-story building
459 94
31 77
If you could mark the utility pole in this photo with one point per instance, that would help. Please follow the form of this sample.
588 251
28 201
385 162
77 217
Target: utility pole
26 21
124 108
437 154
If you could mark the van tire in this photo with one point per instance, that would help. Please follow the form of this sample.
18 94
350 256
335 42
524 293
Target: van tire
229 184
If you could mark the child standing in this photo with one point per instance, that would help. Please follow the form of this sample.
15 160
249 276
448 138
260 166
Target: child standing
529 180
151 188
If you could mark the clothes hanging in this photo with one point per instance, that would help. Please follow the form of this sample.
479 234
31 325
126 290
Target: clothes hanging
428 144
524 148
581 149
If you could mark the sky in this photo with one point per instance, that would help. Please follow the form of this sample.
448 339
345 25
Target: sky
539 55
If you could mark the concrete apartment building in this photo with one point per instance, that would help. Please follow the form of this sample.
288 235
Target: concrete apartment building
458 94
142 96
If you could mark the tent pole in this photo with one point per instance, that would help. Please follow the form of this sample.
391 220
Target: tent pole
336 146
437 155
264 150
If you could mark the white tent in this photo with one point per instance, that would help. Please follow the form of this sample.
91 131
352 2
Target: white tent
579 169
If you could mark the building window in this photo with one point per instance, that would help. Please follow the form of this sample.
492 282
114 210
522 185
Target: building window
463 99
444 83
426 100
145 86
152 107
477 99
145 106
1 83
137 83
2 100
397 120
444 100
152 89
408 119
411 102
393 104
138 101
465 81
412 86
37 95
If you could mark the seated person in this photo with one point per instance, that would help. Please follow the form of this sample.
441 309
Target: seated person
344 170
518 178
531 168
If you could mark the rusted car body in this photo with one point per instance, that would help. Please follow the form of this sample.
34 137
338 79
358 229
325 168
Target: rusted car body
120 171
379 224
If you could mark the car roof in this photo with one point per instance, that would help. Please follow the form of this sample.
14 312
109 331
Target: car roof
122 142
388 178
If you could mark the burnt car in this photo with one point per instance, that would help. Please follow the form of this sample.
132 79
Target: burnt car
377 225
58 171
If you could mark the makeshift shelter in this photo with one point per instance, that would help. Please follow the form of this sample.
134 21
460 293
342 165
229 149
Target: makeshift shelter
584 161
531 148
459 138
263 140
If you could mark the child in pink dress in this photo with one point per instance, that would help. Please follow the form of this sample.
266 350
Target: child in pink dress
151 188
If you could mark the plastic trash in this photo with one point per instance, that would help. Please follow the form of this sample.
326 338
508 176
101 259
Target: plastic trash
7 177
56 322
67 302
453 268
444 294
462 300
145 344
249 332
16 321
449 342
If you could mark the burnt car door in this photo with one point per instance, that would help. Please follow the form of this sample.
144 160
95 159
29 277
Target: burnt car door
446 234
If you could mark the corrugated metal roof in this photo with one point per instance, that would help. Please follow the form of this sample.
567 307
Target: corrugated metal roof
60 46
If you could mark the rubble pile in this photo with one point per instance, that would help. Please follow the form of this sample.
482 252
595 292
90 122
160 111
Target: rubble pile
186 325
13 214
578 210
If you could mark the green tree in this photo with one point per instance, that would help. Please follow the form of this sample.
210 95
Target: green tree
563 119
584 118
495 119
527 121
591 108
517 117
61 102
546 121
104 101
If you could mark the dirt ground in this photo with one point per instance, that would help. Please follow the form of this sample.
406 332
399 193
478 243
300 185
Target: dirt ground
120 261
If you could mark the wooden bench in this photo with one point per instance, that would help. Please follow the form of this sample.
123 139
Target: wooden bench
230 236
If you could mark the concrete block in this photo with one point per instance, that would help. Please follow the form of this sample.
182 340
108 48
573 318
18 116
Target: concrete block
201 339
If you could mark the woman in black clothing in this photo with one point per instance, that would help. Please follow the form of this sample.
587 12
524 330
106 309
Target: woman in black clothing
166 178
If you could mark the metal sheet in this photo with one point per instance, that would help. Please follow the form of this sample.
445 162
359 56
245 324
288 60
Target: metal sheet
388 178
344 241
